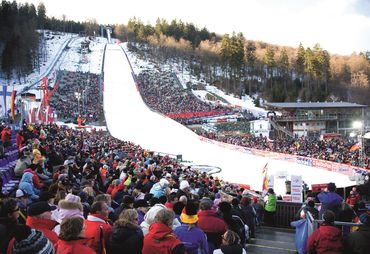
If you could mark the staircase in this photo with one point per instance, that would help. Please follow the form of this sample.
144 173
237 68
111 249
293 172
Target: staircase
280 129
272 241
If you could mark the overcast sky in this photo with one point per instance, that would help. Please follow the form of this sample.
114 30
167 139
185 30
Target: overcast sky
340 26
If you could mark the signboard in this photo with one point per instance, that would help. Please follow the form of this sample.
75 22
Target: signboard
271 182
296 188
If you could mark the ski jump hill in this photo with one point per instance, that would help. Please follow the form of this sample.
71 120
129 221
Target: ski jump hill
128 118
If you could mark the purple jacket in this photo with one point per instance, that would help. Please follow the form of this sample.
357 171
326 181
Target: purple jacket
140 217
193 239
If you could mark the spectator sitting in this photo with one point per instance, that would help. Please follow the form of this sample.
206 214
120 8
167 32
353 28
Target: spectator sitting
126 237
327 238
212 225
160 238
39 218
72 239
29 240
230 244
193 238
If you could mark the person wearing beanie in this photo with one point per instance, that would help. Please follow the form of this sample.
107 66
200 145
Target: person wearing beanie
327 238
39 218
27 240
193 238
71 238
358 242
212 225
177 209
330 200
127 236
142 207
127 203
22 202
97 226
184 189
270 207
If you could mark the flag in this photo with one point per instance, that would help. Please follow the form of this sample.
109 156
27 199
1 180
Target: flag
355 147
12 103
265 178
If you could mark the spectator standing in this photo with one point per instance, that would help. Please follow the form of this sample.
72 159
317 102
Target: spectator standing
330 200
270 207
160 238
127 236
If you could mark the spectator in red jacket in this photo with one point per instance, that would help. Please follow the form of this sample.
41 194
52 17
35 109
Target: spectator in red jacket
72 239
5 136
211 224
161 238
39 218
327 239
97 226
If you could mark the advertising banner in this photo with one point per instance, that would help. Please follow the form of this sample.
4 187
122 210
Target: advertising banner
296 188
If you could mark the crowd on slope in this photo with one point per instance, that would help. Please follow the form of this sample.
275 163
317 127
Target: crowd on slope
64 100
334 149
162 92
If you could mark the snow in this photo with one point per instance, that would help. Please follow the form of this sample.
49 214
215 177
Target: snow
128 118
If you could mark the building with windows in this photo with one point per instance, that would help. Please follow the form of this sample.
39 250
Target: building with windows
316 118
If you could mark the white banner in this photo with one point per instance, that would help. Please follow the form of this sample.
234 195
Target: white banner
271 182
296 188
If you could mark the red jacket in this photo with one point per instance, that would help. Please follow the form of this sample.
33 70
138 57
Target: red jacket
19 140
209 222
5 135
325 240
45 226
92 231
35 179
73 247
160 239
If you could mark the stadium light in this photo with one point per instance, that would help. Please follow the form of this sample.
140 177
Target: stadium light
357 124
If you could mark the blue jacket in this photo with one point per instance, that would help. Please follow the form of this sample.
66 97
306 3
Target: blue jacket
26 185
157 190
194 239
329 201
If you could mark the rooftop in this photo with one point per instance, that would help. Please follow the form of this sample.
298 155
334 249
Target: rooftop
314 105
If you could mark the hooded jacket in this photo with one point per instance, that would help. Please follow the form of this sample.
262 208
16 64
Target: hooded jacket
194 239
26 185
45 226
94 225
327 239
161 239
73 247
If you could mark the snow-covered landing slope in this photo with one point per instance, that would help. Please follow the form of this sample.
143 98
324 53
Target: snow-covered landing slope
128 118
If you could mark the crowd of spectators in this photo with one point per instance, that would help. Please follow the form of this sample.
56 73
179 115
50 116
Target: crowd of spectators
87 192
68 107
162 92
334 149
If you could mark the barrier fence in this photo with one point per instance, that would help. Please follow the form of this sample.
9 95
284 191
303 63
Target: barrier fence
285 213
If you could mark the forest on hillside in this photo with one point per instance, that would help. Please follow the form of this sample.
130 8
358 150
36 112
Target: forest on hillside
230 61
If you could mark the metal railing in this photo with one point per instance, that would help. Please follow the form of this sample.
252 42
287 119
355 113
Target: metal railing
305 118
285 213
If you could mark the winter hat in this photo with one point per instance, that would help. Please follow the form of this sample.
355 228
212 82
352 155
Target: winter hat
163 183
141 203
21 193
73 198
189 214
39 207
46 195
32 241
184 184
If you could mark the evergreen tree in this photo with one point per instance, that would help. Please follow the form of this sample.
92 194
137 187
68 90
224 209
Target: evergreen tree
41 15
269 61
